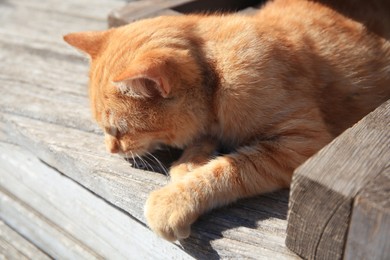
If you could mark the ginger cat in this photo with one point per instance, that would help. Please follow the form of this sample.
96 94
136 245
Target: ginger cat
274 88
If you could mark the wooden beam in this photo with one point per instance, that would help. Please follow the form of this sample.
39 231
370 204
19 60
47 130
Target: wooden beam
57 213
256 227
369 231
142 9
14 246
324 188
35 227
151 8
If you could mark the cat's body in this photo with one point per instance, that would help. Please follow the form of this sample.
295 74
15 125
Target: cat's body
274 88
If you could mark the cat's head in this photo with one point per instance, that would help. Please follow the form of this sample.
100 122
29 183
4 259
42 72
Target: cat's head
145 85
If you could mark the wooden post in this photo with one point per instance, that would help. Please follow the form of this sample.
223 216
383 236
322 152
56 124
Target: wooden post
324 189
369 231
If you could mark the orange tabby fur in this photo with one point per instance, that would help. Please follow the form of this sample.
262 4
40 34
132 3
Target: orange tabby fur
274 88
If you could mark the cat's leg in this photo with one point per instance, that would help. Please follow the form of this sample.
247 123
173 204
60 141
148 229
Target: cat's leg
195 155
261 167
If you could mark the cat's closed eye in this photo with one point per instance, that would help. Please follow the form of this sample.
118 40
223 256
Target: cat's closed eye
111 130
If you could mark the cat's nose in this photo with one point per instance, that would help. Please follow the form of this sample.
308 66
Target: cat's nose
112 144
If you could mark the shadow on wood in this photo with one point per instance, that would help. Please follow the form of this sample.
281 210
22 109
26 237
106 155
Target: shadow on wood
243 218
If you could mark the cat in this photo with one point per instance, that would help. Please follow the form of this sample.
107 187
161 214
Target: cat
273 88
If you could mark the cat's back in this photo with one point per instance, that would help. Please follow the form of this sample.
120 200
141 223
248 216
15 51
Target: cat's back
349 63
304 47
290 28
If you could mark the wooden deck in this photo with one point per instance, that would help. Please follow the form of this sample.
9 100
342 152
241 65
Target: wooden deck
61 194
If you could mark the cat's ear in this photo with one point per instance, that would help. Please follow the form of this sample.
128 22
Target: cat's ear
141 86
148 77
87 42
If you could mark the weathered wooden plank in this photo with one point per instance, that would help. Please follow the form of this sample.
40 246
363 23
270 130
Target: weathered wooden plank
51 19
369 231
82 156
141 10
31 89
14 246
45 110
3 135
46 79
52 239
151 8
109 232
218 6
323 188
256 227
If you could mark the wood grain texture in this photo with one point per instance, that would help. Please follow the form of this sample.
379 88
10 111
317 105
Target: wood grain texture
82 156
141 10
44 109
255 226
151 8
14 246
107 231
369 232
323 188
43 233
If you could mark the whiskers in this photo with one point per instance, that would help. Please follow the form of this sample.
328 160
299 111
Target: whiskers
160 165
147 162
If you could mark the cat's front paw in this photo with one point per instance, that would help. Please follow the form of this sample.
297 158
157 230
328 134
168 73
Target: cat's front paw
170 212
178 171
